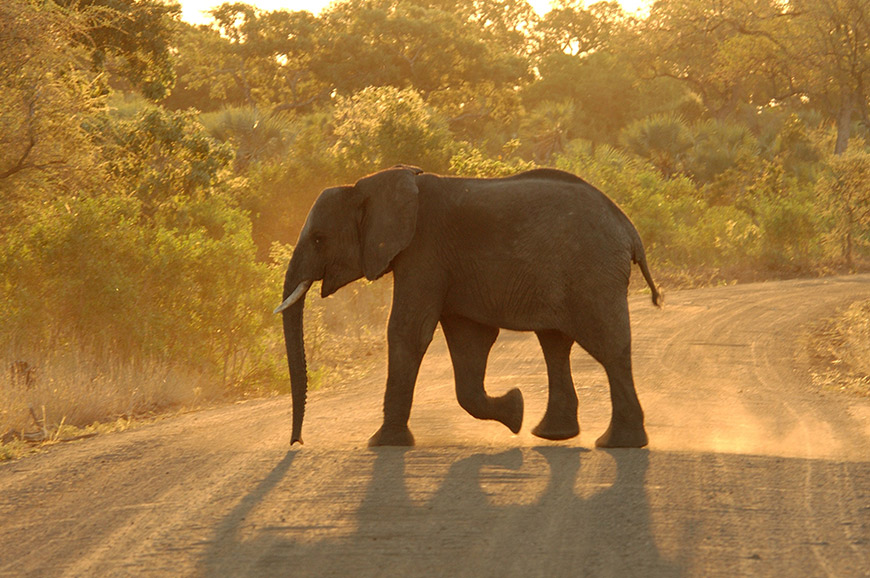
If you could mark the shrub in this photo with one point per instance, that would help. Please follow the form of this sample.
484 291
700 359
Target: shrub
472 162
87 273
663 139
680 230
845 201
717 147
383 126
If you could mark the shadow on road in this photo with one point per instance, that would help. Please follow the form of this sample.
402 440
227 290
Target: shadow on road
522 512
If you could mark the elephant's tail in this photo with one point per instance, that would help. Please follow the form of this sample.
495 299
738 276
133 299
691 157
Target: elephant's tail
639 256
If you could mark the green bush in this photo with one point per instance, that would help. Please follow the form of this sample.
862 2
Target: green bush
159 266
472 162
789 231
844 199
717 147
87 274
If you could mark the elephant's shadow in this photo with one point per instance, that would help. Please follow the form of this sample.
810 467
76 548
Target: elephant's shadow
465 528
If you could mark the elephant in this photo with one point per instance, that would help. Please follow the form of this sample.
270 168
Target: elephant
542 251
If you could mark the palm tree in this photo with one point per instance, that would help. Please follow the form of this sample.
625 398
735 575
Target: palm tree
548 127
256 137
663 139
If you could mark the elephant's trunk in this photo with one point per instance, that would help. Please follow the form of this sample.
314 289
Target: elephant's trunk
295 344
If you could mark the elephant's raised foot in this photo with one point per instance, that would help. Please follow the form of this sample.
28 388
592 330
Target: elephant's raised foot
557 429
510 409
623 437
393 436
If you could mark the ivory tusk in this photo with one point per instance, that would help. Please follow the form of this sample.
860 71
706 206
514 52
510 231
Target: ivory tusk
300 290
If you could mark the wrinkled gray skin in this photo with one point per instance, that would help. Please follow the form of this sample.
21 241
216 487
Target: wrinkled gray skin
540 251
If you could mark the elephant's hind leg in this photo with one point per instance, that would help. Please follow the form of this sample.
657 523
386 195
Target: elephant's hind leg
469 344
626 428
608 339
560 419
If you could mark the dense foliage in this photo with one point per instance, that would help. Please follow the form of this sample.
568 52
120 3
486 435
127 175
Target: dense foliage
150 170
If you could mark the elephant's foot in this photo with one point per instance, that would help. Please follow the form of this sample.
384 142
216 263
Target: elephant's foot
392 436
508 409
623 436
557 427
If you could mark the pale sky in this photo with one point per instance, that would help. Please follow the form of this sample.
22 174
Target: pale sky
193 11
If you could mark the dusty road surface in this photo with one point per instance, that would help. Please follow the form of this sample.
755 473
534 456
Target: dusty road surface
751 470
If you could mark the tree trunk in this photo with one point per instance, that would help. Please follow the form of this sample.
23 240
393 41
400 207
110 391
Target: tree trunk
844 124
847 240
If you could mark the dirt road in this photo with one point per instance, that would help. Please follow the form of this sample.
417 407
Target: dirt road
751 470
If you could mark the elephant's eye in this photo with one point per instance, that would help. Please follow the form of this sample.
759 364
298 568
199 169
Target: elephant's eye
317 240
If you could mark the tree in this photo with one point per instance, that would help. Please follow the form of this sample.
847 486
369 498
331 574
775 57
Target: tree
765 52
382 126
662 139
846 197
256 138
131 39
504 25
49 93
728 53
581 61
720 146
44 97
444 53
162 157
571 28
829 40
548 127
249 57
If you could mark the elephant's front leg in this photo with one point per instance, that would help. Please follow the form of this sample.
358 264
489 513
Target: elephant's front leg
469 344
409 333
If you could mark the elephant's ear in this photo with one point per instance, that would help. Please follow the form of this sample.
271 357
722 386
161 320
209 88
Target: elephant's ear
389 217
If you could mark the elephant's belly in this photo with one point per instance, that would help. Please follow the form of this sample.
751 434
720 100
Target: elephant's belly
516 308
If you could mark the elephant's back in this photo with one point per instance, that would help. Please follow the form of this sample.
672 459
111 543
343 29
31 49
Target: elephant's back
528 223
537 207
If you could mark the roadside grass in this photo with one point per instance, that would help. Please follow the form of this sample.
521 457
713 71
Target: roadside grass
70 394
53 397
346 333
840 350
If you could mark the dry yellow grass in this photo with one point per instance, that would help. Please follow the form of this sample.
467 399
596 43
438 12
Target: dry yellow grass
345 334
53 396
841 347
47 397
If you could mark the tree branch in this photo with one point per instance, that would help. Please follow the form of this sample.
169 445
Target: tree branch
22 163
298 104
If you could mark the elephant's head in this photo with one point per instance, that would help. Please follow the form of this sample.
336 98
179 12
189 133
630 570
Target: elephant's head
350 232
